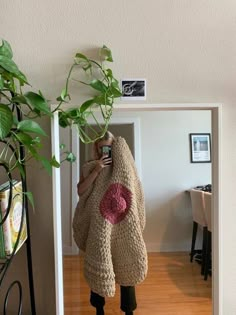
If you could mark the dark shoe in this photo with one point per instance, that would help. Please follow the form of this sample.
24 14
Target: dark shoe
100 311
128 300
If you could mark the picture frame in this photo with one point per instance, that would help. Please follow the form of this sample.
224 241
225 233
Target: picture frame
200 147
133 89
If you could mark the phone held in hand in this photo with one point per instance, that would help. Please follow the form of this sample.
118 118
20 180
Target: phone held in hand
106 150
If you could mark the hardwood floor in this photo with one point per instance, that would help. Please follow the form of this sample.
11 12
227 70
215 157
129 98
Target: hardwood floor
173 286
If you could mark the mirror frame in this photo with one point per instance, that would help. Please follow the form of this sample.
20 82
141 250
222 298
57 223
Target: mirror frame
216 115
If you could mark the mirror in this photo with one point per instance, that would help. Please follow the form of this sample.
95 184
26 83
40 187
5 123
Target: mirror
168 207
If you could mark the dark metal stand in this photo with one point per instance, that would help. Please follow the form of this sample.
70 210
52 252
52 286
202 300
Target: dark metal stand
5 264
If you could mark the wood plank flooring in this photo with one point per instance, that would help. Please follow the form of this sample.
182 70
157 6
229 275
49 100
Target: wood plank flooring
174 286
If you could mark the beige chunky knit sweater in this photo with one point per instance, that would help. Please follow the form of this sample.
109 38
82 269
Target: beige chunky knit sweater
108 224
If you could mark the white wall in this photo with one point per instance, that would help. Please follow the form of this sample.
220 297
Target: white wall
167 173
185 49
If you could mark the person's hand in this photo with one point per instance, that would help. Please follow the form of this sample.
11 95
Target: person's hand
104 161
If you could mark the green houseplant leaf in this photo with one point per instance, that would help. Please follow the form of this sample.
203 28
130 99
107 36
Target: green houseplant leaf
29 195
37 102
86 105
98 85
30 126
1 82
6 120
5 49
54 162
70 157
10 66
105 52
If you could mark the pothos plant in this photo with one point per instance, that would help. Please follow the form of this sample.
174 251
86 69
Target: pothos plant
104 89
20 112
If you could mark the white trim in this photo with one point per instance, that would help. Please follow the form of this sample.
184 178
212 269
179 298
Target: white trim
216 182
75 172
56 181
167 106
217 266
160 106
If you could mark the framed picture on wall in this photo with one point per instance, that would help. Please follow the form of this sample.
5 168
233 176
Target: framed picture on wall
200 147
133 89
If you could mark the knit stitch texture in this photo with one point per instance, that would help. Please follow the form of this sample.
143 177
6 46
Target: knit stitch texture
108 224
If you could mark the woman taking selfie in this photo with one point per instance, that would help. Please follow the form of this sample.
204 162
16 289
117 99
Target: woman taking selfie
109 222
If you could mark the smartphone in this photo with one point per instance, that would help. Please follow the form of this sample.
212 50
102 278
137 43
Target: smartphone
106 150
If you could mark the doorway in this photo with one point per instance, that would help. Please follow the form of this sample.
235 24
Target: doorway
216 118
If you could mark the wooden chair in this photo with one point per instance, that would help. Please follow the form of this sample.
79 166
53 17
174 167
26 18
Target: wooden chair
199 219
208 211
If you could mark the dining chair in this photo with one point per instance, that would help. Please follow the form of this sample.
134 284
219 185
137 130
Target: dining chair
208 212
199 219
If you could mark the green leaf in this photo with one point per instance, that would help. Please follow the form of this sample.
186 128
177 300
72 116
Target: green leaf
6 50
86 105
21 169
73 113
22 78
70 157
11 67
30 126
83 61
115 91
54 162
63 120
105 52
115 83
62 146
29 195
46 165
103 100
109 73
36 140
15 120
87 67
38 102
28 142
19 99
98 85
6 120
63 94
24 138
79 56
1 82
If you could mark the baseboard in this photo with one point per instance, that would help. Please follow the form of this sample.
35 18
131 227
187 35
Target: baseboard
69 250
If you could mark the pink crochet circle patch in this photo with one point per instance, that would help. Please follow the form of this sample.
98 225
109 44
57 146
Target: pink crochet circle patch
115 203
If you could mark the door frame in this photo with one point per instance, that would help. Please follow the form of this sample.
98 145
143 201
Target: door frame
216 114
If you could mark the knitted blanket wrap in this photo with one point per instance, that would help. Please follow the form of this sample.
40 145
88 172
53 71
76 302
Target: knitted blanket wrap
110 232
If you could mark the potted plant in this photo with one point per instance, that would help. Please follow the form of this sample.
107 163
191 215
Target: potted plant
19 110
20 113
104 89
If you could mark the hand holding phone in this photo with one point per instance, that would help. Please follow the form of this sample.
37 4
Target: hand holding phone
106 151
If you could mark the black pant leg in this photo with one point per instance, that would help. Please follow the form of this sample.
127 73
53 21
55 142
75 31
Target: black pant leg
127 299
97 300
